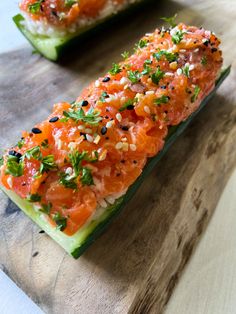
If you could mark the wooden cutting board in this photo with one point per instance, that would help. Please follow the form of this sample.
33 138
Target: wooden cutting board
134 266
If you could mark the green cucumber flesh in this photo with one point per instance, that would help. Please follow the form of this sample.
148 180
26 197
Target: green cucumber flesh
75 245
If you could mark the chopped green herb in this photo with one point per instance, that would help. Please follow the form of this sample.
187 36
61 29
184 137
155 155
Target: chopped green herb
103 97
162 100
204 60
147 61
195 93
1 161
69 3
46 208
47 164
44 143
185 70
14 167
115 69
69 181
157 76
34 198
142 43
91 117
177 37
20 143
35 7
170 20
34 153
134 76
125 55
86 177
127 105
60 221
171 57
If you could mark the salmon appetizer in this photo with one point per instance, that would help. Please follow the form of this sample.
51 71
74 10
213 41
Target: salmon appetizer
87 154
59 17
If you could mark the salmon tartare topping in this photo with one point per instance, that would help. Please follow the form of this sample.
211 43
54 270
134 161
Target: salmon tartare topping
87 154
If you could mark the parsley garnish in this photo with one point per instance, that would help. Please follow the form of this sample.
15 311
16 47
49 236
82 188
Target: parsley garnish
103 97
177 37
35 7
157 76
161 100
46 208
14 166
142 43
60 221
44 143
69 3
129 104
47 164
91 117
125 55
170 20
185 70
34 153
195 93
86 177
1 161
204 60
34 198
115 69
20 143
69 181
134 76
171 57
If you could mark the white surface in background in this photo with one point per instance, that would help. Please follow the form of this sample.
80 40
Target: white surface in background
13 300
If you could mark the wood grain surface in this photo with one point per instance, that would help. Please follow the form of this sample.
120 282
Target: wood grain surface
135 265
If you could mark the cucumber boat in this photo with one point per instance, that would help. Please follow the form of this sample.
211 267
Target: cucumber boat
126 120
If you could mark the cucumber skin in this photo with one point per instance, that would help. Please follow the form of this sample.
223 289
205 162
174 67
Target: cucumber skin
60 46
93 232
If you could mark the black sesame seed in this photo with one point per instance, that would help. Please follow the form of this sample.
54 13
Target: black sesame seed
35 254
84 103
163 87
103 130
206 43
54 119
84 135
122 161
135 161
130 107
36 131
213 50
23 184
15 154
106 79
125 128
107 137
41 231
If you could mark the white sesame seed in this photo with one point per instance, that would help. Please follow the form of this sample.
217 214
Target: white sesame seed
109 124
146 109
133 147
191 67
169 74
119 145
119 117
69 171
89 138
179 71
124 139
150 92
124 80
102 203
9 181
59 143
97 139
196 50
182 50
125 147
97 83
103 155
81 127
87 130
72 145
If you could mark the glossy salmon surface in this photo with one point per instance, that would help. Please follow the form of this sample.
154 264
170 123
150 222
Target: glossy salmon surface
86 154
